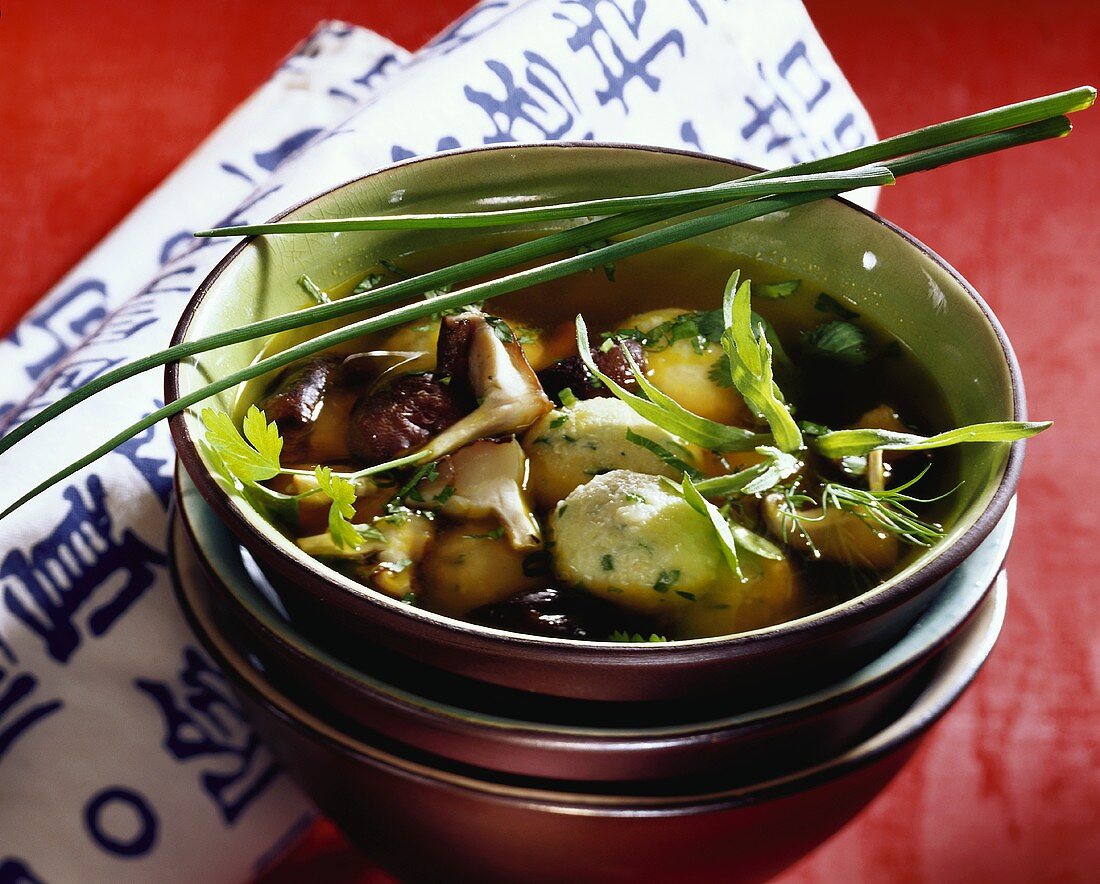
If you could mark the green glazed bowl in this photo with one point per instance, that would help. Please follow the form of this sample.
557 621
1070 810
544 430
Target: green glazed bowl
888 276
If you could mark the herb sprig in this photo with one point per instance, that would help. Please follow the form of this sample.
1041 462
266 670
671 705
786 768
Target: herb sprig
856 443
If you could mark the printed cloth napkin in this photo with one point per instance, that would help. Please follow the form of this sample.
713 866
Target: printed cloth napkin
122 754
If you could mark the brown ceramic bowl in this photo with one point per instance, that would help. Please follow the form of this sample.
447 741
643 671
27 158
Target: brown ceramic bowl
546 738
423 821
887 275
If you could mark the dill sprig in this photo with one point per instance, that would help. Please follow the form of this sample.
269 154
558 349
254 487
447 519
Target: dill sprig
887 510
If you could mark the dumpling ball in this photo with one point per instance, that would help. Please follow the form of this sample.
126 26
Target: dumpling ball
568 446
686 373
632 538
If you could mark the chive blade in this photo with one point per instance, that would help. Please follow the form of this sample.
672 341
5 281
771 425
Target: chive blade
589 260
740 188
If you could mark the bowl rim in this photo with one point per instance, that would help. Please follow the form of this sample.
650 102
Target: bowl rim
852 687
328 585
935 699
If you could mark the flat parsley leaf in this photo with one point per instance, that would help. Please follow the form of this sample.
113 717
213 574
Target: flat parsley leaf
342 494
251 458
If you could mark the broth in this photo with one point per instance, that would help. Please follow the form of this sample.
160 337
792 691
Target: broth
820 388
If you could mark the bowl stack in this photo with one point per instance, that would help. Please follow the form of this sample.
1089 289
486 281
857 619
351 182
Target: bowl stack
429 772
445 748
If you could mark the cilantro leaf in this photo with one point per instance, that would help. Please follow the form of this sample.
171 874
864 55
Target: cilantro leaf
248 463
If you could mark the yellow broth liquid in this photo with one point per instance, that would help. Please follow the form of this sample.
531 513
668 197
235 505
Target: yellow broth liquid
691 277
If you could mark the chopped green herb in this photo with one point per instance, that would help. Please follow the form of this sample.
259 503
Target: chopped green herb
495 534
428 471
607 562
777 291
368 282
620 635
690 596
557 422
839 340
314 290
525 334
446 494
567 399
409 598
666 579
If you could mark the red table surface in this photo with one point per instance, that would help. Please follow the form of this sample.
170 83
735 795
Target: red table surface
101 100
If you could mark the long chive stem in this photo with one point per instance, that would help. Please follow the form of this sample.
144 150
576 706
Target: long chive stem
595 258
937 135
535 249
1006 117
740 188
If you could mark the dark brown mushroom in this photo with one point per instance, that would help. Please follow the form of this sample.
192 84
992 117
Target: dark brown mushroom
403 416
560 612
296 402
572 373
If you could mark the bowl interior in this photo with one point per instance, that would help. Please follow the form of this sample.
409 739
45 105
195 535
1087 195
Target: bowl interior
885 275
229 564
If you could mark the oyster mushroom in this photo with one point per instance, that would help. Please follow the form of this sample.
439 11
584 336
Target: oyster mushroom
482 356
834 534
485 479
387 558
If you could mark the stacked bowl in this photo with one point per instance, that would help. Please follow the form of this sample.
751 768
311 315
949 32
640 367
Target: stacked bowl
448 748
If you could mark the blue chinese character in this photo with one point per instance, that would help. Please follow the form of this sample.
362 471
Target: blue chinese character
203 722
157 471
621 63
79 562
378 69
16 871
63 324
18 711
548 110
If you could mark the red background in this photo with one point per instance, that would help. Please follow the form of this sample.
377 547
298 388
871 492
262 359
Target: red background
101 100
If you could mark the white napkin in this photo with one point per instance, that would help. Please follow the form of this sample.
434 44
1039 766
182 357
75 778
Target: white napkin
121 756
